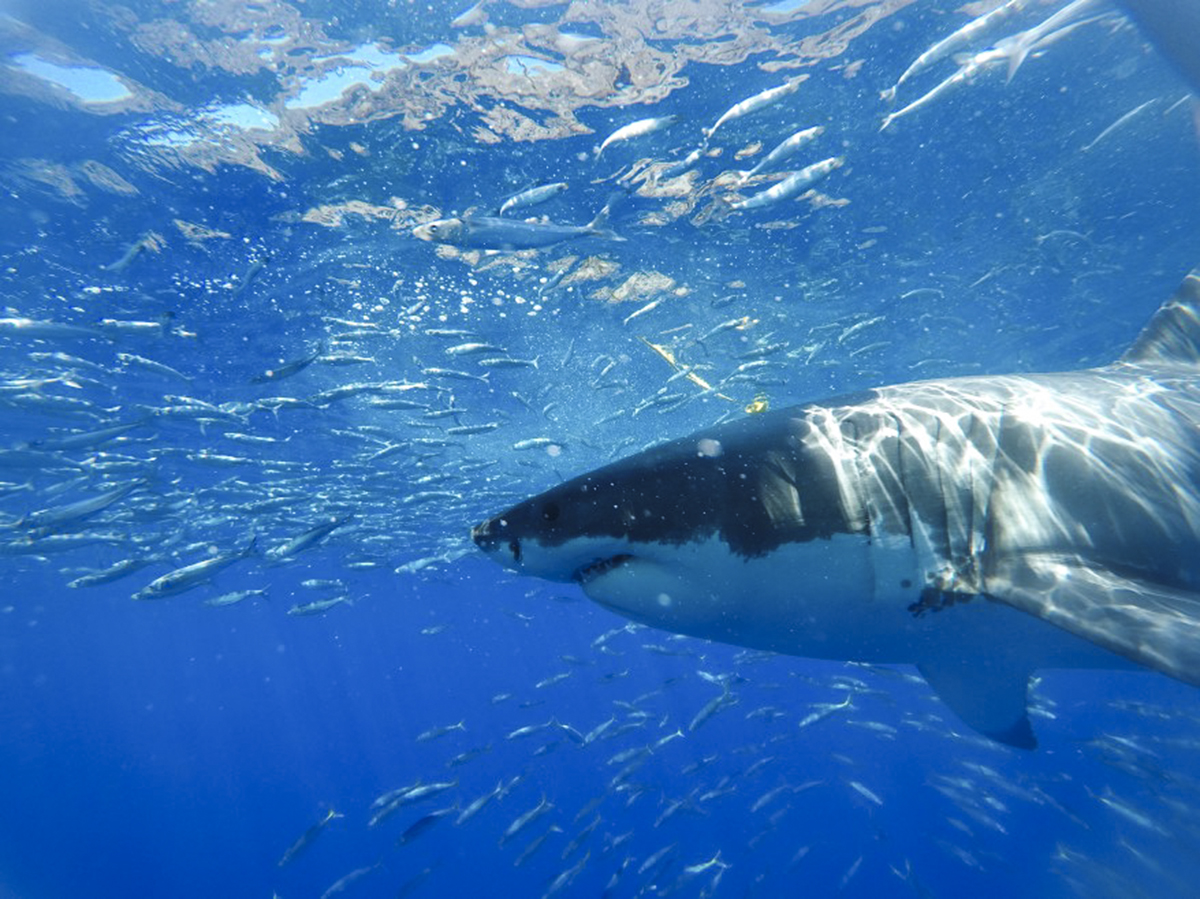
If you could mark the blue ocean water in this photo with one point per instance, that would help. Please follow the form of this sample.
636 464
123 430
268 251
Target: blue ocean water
198 195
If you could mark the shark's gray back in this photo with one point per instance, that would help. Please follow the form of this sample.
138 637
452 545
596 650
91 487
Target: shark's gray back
1107 460
1074 496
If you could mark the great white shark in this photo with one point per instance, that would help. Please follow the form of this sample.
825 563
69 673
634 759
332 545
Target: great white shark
978 527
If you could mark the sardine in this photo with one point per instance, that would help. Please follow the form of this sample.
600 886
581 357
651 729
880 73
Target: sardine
791 186
640 128
307 540
189 576
533 196
753 104
783 150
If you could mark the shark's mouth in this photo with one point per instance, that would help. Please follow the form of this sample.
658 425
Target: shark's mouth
589 572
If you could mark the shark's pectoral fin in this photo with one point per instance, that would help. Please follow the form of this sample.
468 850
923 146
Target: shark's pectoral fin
1151 624
990 697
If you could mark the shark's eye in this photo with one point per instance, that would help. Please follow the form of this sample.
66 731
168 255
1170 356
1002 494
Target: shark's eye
550 511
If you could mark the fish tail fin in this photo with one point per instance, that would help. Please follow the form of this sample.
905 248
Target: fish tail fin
1016 53
599 225
722 208
600 222
607 234
888 96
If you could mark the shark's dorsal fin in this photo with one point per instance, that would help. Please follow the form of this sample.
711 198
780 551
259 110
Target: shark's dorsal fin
1172 336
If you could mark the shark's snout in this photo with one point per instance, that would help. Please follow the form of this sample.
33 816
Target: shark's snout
491 536
484 536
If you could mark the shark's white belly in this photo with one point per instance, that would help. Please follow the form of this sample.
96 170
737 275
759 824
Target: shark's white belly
843 598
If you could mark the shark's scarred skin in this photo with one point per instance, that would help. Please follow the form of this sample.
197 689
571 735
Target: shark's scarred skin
979 528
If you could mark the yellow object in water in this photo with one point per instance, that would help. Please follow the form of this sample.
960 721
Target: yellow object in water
758 406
